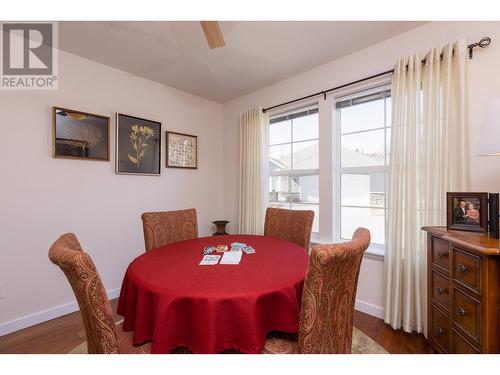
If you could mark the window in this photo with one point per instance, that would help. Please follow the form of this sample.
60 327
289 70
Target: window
363 140
294 161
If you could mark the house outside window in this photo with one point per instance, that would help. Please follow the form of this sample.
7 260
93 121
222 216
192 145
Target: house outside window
293 155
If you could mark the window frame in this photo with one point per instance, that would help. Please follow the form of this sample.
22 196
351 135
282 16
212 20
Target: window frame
313 108
375 248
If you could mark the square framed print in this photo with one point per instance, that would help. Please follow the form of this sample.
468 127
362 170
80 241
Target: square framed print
138 146
79 135
467 211
182 150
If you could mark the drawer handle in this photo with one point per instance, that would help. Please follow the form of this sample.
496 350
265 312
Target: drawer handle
461 311
440 331
440 290
462 268
439 254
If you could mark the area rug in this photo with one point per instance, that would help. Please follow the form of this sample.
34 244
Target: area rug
361 344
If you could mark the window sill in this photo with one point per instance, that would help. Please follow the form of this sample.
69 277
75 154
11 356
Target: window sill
376 252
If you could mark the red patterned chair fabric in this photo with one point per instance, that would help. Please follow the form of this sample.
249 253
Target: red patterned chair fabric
163 228
326 315
291 225
102 337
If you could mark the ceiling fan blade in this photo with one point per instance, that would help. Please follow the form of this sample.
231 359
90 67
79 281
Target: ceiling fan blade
213 34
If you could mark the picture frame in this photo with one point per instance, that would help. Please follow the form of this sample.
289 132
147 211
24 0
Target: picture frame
467 211
182 150
80 135
138 146
493 207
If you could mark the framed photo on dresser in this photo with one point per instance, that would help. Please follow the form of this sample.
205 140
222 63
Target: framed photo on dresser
467 211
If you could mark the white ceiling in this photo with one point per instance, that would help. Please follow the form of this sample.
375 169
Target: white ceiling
257 54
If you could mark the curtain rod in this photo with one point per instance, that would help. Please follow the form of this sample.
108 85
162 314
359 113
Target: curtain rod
483 43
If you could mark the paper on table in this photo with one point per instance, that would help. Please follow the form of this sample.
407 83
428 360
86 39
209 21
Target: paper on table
209 260
231 257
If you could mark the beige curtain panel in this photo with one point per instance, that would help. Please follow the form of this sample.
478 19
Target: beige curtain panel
252 170
429 157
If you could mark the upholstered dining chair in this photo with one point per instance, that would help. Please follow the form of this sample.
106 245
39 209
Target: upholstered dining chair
327 309
100 328
291 225
164 228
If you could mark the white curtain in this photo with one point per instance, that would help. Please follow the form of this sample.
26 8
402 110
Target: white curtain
428 157
252 170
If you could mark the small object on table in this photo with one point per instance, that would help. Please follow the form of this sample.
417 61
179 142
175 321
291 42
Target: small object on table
237 246
221 248
220 227
209 260
208 250
231 257
248 250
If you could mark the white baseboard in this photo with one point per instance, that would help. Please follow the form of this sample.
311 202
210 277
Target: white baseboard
369 309
43 316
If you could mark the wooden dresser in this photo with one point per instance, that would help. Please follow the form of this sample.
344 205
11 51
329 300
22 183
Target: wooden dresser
463 293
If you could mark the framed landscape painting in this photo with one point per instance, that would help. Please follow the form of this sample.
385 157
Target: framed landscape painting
182 150
79 135
138 146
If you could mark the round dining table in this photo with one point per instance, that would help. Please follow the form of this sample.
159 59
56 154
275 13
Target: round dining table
169 299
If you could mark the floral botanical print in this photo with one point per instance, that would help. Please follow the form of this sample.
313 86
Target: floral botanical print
138 146
139 137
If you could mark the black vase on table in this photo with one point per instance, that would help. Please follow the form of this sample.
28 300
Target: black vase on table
220 227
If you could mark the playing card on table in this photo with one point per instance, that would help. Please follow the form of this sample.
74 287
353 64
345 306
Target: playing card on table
248 250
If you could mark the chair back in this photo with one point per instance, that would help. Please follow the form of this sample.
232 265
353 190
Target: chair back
82 274
291 225
163 228
326 316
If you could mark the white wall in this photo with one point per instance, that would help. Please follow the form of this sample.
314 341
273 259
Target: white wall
42 197
484 86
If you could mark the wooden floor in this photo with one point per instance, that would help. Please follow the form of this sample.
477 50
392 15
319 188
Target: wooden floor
394 341
62 334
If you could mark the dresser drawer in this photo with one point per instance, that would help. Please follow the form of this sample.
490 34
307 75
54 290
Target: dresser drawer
440 290
440 253
460 345
440 329
466 315
467 269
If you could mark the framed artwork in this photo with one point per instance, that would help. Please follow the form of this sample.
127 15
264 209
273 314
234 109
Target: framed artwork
79 135
467 211
138 146
182 150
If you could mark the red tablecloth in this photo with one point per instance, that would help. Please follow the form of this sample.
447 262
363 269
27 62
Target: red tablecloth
168 298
